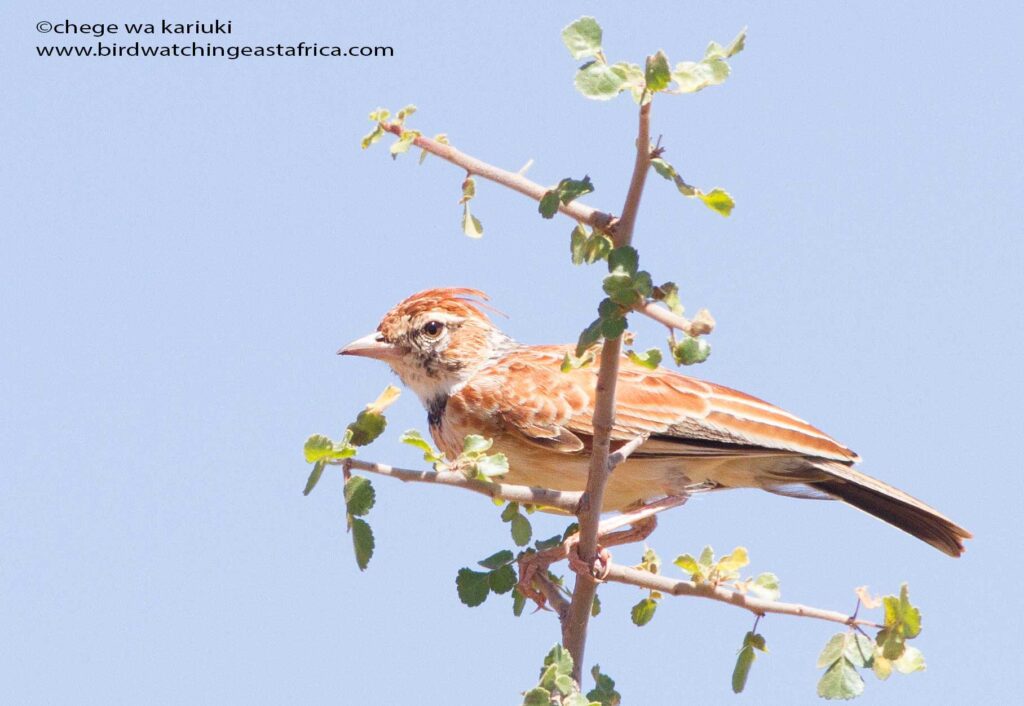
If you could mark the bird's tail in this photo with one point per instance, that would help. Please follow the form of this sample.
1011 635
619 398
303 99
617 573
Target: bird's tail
891 505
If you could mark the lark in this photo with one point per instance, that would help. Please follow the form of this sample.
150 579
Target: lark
700 437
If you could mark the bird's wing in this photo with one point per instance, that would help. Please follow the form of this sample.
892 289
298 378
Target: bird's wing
530 395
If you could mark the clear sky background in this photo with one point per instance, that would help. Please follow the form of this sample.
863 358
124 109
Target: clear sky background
185 243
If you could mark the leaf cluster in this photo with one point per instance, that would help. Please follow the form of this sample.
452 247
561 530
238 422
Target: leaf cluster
500 577
847 652
600 80
556 685
359 494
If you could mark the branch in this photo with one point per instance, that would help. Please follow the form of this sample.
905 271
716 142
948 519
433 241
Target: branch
517 182
574 627
569 501
524 494
702 323
553 594
757 606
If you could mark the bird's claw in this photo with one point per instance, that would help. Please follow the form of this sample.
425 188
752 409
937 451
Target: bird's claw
597 569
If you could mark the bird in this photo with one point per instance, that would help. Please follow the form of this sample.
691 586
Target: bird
699 436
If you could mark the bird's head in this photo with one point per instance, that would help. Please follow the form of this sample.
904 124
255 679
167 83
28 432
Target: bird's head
434 340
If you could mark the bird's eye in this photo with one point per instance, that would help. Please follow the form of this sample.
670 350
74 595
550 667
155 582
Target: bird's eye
432 329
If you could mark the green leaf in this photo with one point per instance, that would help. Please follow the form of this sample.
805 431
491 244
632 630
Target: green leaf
497 560
668 294
475 444
613 328
405 113
468 189
359 496
493 465
583 38
689 566
663 168
624 259
404 142
320 448
691 76
881 666
510 511
472 586
571 362
547 676
690 351
657 73
560 658
707 557
590 335
502 580
833 650
729 565
902 622
567 191
576 699
744 660
841 681
518 602
471 225
521 530
367 427
380 115
588 248
548 205
362 540
600 81
549 543
766 586
371 422
858 649
314 477
595 607
643 612
650 360
571 189
718 200
735 46
565 684
909 616
414 438
911 661
537 696
604 689
372 137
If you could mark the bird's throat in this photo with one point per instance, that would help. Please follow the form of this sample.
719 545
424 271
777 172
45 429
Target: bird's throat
435 409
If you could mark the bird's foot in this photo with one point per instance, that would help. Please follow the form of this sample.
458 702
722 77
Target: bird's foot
596 569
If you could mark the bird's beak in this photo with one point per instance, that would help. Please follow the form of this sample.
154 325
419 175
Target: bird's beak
371 346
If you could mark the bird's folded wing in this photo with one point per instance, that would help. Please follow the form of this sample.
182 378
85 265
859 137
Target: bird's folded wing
683 416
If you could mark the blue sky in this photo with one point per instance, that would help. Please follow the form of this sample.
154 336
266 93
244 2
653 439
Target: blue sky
186 242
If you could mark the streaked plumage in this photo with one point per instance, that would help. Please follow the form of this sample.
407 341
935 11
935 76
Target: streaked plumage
473 379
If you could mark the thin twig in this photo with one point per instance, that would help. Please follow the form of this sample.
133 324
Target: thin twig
620 574
574 629
601 220
757 606
517 182
624 451
553 594
701 324
561 500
